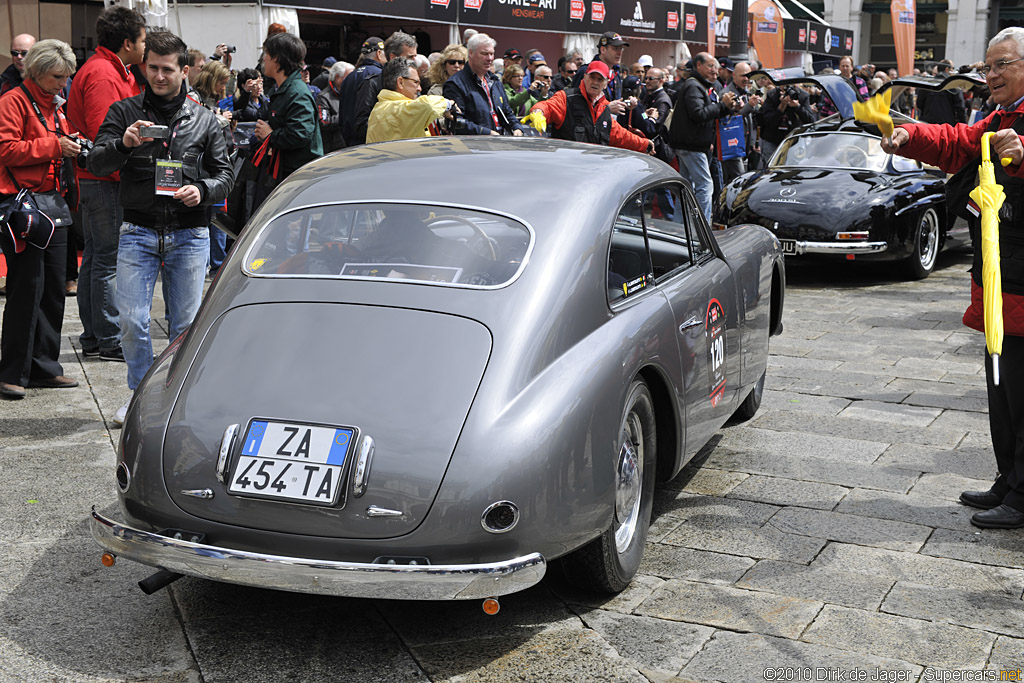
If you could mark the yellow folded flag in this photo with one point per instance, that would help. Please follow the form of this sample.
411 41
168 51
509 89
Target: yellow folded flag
536 119
876 111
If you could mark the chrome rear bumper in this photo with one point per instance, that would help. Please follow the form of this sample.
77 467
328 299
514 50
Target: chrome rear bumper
325 577
800 247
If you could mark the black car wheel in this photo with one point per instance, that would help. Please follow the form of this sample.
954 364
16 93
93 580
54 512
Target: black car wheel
927 238
608 563
752 402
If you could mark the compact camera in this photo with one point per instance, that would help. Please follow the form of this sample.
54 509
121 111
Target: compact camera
83 155
230 48
793 93
153 131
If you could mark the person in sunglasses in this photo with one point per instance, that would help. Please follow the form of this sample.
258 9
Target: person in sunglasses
452 61
957 149
15 73
567 69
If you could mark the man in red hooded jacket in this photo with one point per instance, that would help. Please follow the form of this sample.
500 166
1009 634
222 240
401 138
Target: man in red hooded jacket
957 149
103 80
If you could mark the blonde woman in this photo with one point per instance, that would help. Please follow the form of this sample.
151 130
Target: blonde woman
452 60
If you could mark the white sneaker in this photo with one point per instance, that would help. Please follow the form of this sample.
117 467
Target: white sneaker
121 413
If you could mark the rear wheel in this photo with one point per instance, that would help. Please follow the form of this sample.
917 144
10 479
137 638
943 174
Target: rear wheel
927 237
752 402
608 563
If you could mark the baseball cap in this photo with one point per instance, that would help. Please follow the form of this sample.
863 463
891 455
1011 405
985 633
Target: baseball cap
329 62
611 38
372 45
600 67
538 58
645 60
727 63
512 53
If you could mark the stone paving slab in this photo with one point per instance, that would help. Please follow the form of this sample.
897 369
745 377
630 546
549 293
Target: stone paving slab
760 543
580 655
891 413
710 512
976 463
673 562
999 547
730 608
706 481
781 491
974 609
823 470
948 486
922 569
823 584
860 439
624 603
923 510
802 403
744 657
771 433
654 645
911 640
1007 655
852 386
851 528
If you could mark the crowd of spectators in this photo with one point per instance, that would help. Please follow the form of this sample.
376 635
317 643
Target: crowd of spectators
182 142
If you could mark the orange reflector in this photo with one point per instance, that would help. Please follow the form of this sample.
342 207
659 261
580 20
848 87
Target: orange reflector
491 606
108 559
850 257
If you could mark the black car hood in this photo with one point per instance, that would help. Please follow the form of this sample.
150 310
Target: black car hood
825 198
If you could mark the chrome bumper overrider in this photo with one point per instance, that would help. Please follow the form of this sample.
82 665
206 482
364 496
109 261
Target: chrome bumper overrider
326 577
838 248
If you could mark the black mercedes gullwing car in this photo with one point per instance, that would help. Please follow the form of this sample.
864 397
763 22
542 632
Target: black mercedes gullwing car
831 192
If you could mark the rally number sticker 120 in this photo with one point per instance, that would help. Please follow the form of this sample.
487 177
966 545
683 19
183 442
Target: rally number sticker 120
714 326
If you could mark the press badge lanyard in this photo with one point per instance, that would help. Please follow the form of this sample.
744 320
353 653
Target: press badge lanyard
494 114
57 130
168 175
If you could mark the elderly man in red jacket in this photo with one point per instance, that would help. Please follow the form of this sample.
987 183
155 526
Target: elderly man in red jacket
583 115
957 149
103 80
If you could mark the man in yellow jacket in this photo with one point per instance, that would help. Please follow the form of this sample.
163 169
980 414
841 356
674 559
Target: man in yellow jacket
401 112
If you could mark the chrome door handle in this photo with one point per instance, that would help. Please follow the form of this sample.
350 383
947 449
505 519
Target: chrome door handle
692 322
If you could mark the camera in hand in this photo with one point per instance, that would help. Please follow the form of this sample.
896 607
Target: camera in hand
153 131
793 93
83 155
230 48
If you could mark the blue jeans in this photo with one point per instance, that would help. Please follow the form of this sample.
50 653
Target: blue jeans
181 257
100 209
694 167
218 248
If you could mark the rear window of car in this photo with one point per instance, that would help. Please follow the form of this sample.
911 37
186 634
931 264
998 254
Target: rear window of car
415 243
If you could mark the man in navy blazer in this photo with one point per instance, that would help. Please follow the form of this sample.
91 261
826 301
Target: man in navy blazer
479 94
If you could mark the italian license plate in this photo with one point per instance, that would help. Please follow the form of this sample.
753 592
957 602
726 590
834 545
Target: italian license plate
292 461
788 247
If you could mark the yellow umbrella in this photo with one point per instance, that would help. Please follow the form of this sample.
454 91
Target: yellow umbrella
536 119
876 111
989 197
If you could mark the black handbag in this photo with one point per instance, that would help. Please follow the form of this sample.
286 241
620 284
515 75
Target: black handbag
23 223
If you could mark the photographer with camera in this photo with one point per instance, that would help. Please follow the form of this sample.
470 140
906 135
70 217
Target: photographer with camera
36 150
785 108
175 159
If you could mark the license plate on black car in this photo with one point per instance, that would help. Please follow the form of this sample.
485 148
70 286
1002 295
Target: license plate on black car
292 461
788 247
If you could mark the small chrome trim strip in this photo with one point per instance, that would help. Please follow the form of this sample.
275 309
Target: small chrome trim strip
205 494
324 577
694 321
377 511
224 456
362 471
838 247
923 201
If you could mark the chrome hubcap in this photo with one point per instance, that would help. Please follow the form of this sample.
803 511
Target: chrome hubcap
929 247
628 482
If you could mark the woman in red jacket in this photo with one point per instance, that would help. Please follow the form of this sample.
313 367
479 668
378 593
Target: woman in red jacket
31 154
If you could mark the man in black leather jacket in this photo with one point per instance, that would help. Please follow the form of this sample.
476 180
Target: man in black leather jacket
169 178
785 108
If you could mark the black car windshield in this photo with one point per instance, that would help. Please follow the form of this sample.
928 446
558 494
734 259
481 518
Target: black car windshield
396 242
831 150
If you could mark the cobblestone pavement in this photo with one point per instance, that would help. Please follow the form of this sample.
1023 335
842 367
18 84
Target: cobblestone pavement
820 541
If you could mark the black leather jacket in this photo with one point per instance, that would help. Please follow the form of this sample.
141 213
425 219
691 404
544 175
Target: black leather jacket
693 123
198 143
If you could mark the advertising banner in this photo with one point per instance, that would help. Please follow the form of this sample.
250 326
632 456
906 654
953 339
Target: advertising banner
904 33
446 11
655 19
766 32
825 40
533 15
695 27
712 21
795 35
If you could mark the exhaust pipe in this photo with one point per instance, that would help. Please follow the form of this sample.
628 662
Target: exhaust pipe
157 581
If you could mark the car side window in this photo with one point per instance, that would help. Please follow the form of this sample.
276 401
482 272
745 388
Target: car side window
629 265
665 218
696 224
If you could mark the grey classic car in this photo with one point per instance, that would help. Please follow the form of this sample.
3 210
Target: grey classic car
415 379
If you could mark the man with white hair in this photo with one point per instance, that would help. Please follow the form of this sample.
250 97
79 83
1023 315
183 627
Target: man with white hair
15 73
328 103
480 95
957 149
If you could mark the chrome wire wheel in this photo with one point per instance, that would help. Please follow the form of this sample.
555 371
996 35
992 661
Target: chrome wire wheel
629 481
